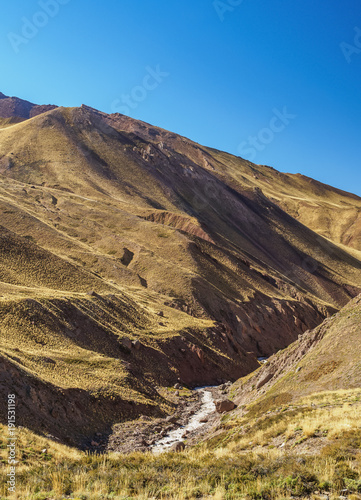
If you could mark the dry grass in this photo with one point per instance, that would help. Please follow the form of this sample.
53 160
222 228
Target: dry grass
328 414
330 212
247 466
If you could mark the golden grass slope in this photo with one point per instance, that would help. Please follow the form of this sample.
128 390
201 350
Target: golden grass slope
80 363
75 160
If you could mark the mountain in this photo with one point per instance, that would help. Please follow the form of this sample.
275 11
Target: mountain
13 107
133 258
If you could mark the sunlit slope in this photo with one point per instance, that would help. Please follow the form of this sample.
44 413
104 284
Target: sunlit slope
26 266
143 207
330 212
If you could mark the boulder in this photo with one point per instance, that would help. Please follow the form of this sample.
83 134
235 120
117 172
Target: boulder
264 380
136 344
224 405
178 446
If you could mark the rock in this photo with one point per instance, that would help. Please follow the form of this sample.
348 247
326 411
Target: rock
136 344
161 313
177 386
91 293
94 443
264 380
203 420
224 405
172 419
176 393
178 446
127 342
45 450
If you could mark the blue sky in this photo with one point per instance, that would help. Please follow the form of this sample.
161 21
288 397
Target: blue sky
275 81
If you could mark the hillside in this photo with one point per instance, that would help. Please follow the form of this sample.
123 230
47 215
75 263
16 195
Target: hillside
134 258
330 212
326 358
305 445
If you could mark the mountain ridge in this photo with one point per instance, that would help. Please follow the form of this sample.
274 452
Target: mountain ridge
13 107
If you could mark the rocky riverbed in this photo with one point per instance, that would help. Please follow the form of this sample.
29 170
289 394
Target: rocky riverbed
195 414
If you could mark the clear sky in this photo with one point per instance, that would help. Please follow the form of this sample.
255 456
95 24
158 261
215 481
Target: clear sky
275 81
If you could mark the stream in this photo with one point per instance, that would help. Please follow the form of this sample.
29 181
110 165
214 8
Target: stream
194 422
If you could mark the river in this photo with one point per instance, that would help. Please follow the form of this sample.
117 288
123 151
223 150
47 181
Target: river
207 407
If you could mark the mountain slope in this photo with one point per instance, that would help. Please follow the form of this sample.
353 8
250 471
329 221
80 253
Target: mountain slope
324 359
328 211
213 270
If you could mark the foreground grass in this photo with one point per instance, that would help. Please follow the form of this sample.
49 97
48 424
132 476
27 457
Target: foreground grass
316 450
194 474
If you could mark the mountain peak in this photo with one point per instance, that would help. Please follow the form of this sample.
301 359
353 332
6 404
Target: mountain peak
14 107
